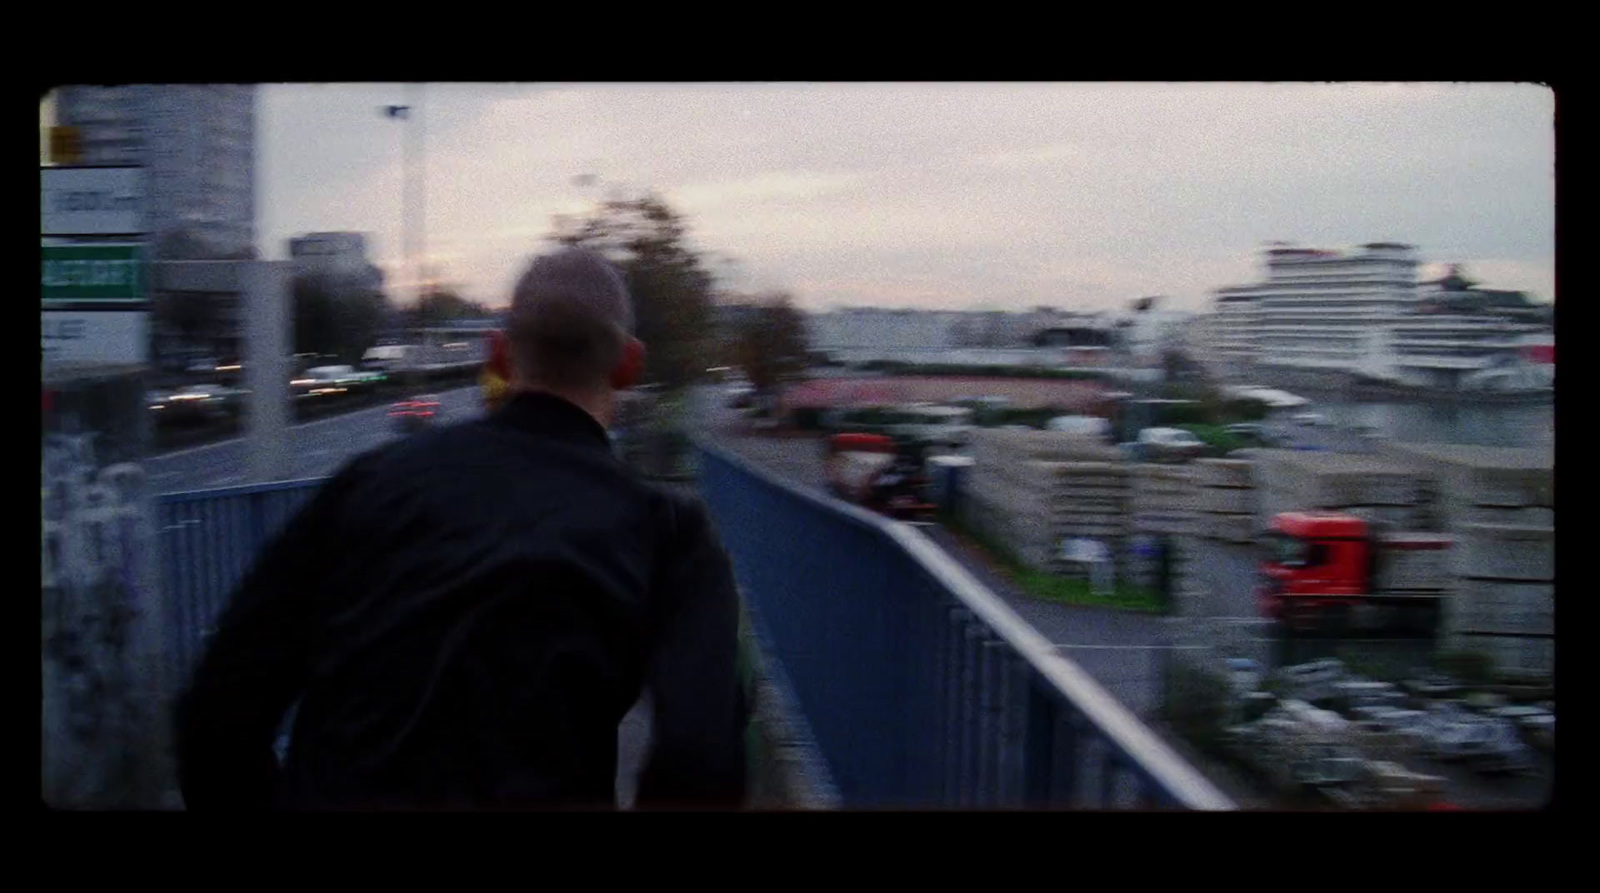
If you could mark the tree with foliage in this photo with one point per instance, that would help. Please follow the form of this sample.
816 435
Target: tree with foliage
770 344
670 286
443 305
336 321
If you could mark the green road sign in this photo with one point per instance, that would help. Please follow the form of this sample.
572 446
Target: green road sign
78 273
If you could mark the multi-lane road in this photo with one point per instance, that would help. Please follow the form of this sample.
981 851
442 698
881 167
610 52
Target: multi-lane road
316 448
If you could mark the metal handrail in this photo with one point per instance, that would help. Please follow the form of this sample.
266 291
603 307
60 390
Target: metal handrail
1134 745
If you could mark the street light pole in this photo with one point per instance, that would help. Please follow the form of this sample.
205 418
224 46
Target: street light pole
422 194
412 217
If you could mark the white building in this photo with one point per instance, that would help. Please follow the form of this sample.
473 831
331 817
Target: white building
196 143
1319 309
1360 312
861 334
1230 330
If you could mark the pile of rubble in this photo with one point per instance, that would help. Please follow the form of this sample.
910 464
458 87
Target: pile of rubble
1346 737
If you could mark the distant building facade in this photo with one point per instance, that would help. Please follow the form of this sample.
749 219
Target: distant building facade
339 256
196 143
1363 312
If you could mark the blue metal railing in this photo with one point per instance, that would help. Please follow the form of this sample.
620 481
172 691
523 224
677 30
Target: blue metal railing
208 540
922 688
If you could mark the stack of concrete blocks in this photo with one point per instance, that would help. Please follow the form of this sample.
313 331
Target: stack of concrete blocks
1090 502
1392 493
1032 490
1226 500
1161 504
1499 504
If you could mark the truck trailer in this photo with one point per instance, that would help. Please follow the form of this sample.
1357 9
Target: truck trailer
1333 572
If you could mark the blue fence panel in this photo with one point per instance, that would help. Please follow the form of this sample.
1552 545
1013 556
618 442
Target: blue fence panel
921 687
208 540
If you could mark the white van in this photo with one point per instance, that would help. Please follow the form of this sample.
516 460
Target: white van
944 426
1084 425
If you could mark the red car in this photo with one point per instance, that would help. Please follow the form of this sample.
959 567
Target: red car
415 414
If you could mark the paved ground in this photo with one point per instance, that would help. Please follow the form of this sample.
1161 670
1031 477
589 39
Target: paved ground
317 448
1120 650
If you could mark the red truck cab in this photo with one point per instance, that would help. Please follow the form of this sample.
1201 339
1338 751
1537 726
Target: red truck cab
1318 564
1322 571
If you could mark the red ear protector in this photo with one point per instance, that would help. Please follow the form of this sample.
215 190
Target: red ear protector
496 376
500 355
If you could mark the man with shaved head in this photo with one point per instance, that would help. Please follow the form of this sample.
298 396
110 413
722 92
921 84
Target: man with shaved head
465 616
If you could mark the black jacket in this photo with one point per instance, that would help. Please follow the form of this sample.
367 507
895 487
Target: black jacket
464 617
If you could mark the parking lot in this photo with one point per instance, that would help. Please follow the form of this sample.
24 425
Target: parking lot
1122 651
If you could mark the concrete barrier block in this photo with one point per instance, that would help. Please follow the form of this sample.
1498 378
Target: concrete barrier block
1230 528
1506 551
1516 516
1227 501
1395 517
1514 488
1224 473
1513 655
1511 607
1370 489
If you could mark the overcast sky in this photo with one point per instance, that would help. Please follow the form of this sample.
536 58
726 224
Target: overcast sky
923 195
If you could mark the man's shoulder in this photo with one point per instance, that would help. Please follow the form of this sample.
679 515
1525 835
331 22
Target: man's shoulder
684 514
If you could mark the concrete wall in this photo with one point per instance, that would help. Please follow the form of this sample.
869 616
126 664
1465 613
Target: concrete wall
1500 505
1375 487
103 741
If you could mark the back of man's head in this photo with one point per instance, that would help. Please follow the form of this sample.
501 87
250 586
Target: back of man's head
571 322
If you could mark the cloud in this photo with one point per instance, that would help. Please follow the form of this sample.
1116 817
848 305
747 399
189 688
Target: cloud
947 193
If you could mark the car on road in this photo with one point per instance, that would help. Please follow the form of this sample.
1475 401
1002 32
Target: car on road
1490 746
1256 435
415 413
1083 426
196 403
1310 419
1167 445
1385 717
1432 685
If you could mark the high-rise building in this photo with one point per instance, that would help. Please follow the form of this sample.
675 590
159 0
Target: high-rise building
196 143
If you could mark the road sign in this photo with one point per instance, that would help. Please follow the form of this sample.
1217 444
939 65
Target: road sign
93 274
91 201
99 337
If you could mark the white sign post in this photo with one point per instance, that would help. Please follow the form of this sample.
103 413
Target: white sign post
92 284
91 201
94 337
